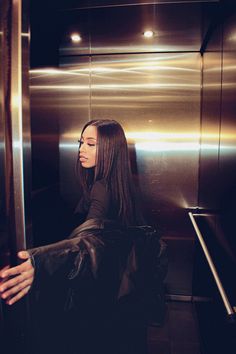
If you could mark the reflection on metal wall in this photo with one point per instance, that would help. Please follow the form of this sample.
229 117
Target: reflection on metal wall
217 188
59 107
218 120
74 113
227 160
44 125
120 29
210 126
149 95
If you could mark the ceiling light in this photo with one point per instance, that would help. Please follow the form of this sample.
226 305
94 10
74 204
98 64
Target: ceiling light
75 37
148 34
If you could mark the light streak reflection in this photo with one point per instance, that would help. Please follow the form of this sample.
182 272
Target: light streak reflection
166 147
98 69
154 142
116 86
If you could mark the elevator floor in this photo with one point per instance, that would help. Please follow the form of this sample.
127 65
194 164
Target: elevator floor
179 334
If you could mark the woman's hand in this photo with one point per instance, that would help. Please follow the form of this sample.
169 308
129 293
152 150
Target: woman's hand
16 281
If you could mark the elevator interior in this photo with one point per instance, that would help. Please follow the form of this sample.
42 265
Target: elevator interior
174 94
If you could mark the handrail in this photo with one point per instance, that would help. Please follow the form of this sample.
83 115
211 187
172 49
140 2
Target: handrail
229 308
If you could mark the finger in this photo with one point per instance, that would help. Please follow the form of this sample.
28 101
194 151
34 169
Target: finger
16 280
17 270
18 296
26 266
10 283
3 270
23 255
16 289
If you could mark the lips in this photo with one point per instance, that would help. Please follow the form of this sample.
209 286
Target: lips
82 158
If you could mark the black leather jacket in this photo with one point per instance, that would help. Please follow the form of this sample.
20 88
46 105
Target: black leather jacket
102 265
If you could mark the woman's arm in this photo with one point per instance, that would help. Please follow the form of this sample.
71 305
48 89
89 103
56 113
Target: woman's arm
64 259
16 281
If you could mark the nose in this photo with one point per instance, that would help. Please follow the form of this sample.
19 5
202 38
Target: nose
82 148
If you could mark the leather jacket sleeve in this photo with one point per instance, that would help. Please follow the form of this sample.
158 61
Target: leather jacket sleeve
130 263
68 257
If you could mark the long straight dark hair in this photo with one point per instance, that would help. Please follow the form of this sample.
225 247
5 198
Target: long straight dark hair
112 166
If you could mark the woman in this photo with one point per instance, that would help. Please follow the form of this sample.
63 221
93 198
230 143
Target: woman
107 193
104 175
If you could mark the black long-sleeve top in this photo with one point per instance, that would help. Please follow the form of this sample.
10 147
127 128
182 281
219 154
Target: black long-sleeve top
100 205
100 202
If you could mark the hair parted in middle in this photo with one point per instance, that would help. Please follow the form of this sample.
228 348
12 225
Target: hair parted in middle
112 166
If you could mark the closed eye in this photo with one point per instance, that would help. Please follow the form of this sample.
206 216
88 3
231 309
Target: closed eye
90 144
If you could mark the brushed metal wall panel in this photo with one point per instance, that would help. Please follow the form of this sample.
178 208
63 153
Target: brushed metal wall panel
74 113
210 127
59 108
157 100
124 27
228 119
120 29
217 189
44 127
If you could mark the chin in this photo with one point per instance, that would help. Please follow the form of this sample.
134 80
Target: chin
86 165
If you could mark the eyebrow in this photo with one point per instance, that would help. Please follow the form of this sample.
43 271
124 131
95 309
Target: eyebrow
89 138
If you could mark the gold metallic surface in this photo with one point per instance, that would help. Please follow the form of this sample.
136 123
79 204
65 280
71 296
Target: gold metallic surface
149 95
227 158
210 128
59 109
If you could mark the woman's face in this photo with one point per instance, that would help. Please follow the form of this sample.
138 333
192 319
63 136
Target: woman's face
88 147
